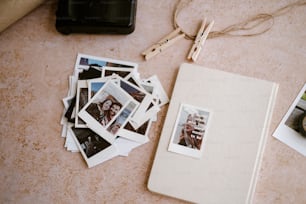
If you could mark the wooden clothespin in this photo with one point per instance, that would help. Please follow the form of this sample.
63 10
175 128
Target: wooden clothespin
164 43
199 41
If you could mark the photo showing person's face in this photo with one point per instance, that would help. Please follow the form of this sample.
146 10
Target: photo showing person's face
189 127
114 109
106 105
115 128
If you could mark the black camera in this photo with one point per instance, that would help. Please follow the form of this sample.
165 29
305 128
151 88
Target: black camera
96 16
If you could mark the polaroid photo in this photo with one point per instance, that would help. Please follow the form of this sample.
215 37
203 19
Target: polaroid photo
94 85
122 72
292 128
190 131
158 90
139 135
150 88
81 100
94 149
108 110
84 61
151 109
149 114
139 95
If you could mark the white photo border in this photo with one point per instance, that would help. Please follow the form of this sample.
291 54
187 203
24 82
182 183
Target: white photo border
145 101
185 150
105 154
117 70
134 135
95 88
102 61
286 134
158 90
108 89
82 84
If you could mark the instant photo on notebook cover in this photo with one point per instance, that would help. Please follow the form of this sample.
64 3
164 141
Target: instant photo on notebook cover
213 137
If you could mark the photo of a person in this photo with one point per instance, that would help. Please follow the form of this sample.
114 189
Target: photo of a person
190 130
105 108
114 128
100 109
110 113
121 119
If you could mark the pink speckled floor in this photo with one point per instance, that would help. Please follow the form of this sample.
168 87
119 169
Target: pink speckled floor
35 64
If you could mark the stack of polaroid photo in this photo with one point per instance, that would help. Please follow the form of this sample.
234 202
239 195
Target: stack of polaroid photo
109 109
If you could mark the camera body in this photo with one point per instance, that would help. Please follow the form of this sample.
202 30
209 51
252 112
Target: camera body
96 16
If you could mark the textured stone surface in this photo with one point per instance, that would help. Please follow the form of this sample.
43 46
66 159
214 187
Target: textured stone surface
34 68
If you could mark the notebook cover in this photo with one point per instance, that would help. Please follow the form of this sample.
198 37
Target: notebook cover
227 170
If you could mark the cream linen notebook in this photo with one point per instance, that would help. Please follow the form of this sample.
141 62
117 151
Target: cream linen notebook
219 161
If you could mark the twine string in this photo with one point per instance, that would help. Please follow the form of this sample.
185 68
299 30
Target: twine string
252 26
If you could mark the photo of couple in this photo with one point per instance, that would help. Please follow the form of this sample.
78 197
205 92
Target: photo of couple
104 111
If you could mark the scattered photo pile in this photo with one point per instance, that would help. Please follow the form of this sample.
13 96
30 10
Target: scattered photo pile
109 109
